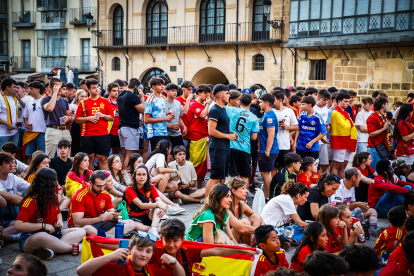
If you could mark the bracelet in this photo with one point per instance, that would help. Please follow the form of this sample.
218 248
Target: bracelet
175 262
267 152
43 226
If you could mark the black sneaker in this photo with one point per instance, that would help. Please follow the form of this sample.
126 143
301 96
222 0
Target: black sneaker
129 235
44 254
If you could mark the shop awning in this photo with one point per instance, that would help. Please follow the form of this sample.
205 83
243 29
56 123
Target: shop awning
25 76
85 76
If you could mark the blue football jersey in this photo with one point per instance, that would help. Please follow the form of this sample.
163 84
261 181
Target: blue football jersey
244 123
310 128
269 120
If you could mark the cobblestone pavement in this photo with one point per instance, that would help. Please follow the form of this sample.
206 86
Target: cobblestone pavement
66 264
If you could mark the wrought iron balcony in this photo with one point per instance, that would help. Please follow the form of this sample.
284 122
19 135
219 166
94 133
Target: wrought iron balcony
363 24
229 33
24 64
83 63
24 19
78 16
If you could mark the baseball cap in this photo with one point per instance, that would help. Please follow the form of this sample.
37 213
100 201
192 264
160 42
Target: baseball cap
219 88
259 93
247 91
398 164
232 86
332 89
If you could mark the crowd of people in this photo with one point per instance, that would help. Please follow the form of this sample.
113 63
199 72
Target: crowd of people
86 155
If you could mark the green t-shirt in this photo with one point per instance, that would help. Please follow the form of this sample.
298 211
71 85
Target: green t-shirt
195 230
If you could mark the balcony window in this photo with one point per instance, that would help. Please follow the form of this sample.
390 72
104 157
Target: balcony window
212 20
3 6
118 26
3 37
51 43
261 29
50 5
157 22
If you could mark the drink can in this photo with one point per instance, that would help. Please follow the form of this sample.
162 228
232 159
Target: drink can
75 249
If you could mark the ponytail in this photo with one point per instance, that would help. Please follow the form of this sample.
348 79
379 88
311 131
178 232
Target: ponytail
293 189
359 158
328 178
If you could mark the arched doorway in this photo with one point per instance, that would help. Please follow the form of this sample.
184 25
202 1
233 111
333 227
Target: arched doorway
154 72
209 75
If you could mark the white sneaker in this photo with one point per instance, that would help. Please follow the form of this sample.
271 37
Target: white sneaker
164 217
154 232
180 208
249 194
172 210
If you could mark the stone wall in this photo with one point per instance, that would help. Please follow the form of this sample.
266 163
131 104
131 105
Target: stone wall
386 72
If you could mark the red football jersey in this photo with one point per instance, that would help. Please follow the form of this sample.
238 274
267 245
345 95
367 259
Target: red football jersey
198 127
398 254
28 212
192 254
130 195
92 206
115 123
89 107
185 117
389 239
127 270
302 178
397 268
300 259
265 265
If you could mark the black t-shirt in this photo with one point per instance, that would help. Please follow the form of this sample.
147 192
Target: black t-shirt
128 114
279 179
315 196
258 112
61 168
219 115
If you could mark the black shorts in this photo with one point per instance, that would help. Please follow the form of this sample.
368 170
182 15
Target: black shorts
144 219
115 141
105 225
240 163
280 160
303 154
175 141
254 145
220 159
266 164
154 141
100 145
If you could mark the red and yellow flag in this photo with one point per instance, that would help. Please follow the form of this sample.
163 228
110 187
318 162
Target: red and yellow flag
343 131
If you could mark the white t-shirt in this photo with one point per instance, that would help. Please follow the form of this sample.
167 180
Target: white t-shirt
187 171
24 99
21 167
35 117
75 106
289 118
278 210
4 131
323 111
343 194
361 120
156 161
396 114
13 184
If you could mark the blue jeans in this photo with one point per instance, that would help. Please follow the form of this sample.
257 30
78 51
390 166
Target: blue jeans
21 132
375 157
361 147
388 201
14 138
38 142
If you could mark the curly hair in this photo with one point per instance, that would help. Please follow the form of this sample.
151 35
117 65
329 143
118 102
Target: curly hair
44 189
213 202
147 184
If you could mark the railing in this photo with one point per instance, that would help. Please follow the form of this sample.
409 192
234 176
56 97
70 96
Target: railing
230 33
24 64
374 23
78 16
24 19
83 63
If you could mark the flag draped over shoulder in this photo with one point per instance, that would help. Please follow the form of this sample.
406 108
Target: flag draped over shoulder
73 183
240 264
198 156
343 131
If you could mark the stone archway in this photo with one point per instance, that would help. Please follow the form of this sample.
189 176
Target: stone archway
209 75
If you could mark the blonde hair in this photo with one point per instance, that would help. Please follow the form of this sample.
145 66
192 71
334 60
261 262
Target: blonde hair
80 91
235 183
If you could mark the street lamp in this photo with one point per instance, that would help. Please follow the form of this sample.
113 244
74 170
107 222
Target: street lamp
266 11
89 20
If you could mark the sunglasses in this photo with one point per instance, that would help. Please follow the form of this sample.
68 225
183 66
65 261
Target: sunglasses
152 237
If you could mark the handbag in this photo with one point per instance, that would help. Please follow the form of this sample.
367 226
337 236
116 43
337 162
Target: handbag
383 149
259 201
124 211
410 150
221 238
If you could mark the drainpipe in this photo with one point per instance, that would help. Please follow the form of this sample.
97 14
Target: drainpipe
237 43
126 41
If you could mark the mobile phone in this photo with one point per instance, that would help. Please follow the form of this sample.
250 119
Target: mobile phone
122 244
118 210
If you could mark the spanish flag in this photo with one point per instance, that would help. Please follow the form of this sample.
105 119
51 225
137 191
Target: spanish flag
343 131
198 156
73 183
240 264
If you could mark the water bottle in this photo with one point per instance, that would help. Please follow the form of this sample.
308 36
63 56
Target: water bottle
373 226
119 228
358 214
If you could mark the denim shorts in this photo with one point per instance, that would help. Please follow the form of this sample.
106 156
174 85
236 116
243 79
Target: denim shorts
38 142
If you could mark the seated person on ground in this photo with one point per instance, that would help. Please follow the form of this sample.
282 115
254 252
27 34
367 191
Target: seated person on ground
361 260
398 253
328 216
408 202
362 161
400 168
346 192
389 238
188 178
134 161
288 173
27 265
345 215
11 148
118 176
91 208
79 174
402 267
44 239
308 172
272 257
324 264
141 249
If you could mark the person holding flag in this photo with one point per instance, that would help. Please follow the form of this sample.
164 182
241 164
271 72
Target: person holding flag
343 135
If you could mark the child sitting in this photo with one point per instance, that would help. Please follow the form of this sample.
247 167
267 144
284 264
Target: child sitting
308 174
172 236
362 260
271 257
390 237
328 216
402 267
187 179
27 265
314 238
141 249
324 264
408 202
345 215
398 253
